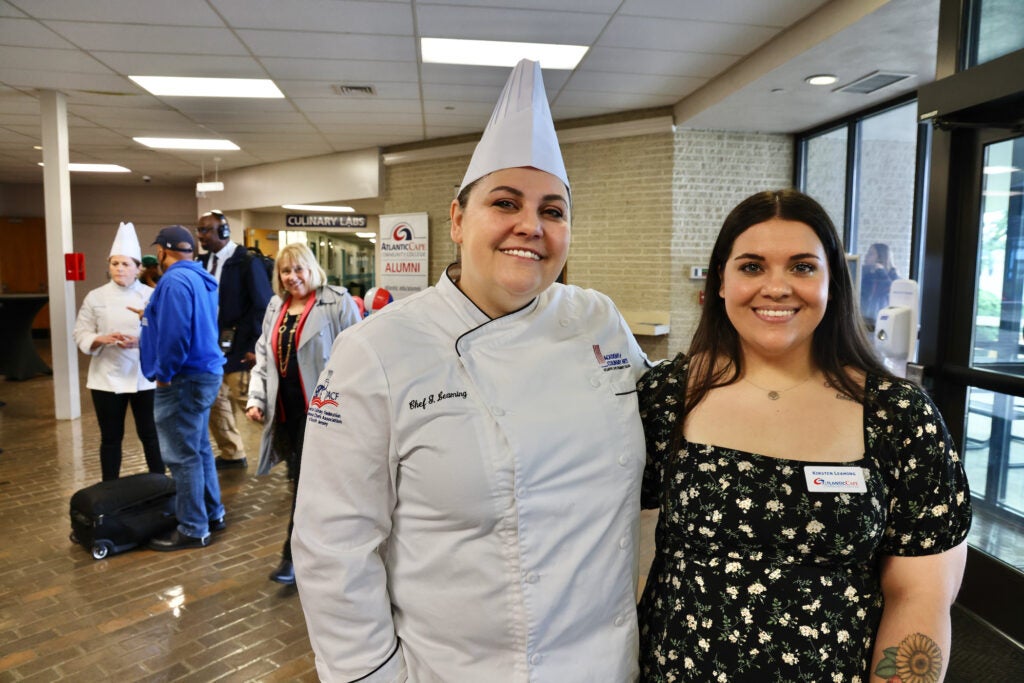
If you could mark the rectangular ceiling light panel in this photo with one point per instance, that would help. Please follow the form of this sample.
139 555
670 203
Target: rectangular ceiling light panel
186 143
176 86
499 53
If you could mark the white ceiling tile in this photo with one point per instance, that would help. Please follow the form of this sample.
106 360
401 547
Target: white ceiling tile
322 90
199 105
73 61
685 36
522 25
361 105
657 62
271 118
368 130
367 71
62 80
30 33
378 119
601 6
394 18
177 13
119 116
223 66
778 13
328 45
140 38
474 109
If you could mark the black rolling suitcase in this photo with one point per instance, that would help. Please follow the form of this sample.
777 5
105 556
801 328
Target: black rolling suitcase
117 515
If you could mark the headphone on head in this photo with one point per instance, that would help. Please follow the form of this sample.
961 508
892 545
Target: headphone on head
223 229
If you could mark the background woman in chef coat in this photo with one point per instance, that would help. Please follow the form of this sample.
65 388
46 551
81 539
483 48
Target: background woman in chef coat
468 508
107 329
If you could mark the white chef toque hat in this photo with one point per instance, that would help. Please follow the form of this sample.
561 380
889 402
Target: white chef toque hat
520 132
126 243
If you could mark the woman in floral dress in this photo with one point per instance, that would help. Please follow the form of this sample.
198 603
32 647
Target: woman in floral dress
813 509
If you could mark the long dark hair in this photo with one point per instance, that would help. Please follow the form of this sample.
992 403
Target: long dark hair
839 341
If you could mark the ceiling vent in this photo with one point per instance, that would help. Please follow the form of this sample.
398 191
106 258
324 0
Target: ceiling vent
872 82
353 90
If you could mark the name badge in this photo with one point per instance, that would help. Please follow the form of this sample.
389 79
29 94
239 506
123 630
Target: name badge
824 479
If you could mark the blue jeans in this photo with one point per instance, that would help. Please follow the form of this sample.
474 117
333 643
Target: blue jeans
182 414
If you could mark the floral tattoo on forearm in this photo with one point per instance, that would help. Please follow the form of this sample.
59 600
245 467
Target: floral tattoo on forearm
918 659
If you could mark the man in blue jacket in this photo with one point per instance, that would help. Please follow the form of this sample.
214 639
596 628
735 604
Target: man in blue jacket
179 350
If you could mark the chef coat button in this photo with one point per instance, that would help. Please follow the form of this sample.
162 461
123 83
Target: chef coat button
535 659
623 460
521 492
496 411
624 542
564 322
620 620
532 577
595 381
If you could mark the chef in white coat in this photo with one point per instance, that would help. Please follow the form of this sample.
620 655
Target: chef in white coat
468 507
107 329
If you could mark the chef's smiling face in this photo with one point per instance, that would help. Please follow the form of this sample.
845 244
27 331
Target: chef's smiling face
514 232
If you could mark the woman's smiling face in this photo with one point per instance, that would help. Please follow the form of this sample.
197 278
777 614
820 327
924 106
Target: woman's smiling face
514 232
775 285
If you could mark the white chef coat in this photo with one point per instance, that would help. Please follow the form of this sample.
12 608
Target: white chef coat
105 310
471 486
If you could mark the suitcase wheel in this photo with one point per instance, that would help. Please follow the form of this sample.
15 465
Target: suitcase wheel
100 550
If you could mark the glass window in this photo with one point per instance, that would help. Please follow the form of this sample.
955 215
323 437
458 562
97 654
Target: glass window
996 29
994 450
887 167
825 172
999 287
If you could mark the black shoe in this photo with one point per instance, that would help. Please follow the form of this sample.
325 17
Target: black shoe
177 541
225 464
218 525
285 573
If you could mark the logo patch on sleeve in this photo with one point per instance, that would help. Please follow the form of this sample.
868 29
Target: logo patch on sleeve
324 408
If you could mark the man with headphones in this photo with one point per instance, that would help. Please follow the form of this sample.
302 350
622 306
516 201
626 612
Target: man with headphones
244 292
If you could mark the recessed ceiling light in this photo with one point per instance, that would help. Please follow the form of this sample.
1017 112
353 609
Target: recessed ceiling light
366 235
97 168
499 53
177 86
319 207
821 79
186 143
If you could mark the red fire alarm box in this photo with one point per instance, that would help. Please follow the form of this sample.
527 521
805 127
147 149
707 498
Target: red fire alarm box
74 266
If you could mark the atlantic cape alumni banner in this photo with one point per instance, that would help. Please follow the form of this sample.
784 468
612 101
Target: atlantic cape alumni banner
403 254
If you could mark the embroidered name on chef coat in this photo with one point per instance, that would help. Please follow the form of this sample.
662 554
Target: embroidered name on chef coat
433 399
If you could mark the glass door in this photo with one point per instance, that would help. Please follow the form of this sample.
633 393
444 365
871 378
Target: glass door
994 412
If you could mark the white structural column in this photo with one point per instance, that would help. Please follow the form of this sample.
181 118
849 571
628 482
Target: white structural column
57 193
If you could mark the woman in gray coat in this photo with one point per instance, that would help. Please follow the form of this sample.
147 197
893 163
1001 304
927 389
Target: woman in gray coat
299 328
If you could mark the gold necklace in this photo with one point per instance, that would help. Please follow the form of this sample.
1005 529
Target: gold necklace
286 343
773 394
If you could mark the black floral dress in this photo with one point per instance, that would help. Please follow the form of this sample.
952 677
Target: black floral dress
756 578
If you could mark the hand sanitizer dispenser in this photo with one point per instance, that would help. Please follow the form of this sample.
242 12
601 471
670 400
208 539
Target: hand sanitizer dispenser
896 327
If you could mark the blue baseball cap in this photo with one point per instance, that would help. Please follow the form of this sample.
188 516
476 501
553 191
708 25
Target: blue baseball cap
175 238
